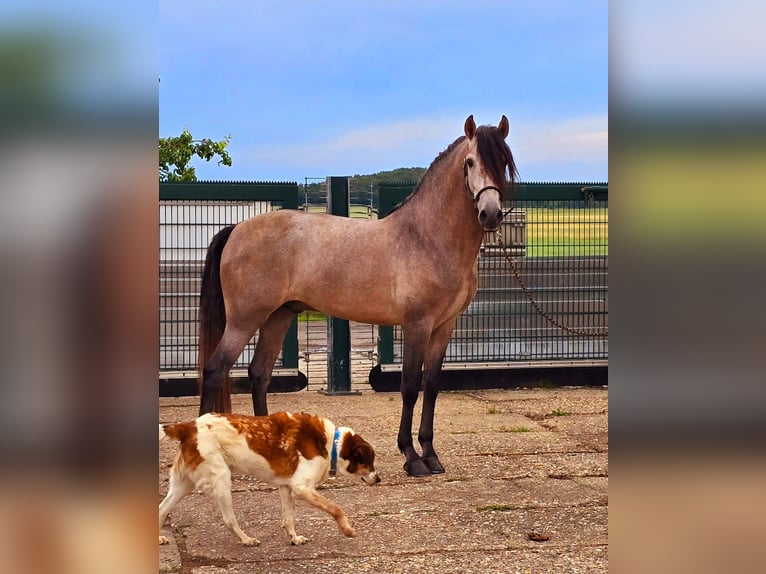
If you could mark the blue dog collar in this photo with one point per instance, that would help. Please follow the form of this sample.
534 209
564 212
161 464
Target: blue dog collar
334 455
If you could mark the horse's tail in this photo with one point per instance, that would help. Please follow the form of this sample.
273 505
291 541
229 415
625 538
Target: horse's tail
212 315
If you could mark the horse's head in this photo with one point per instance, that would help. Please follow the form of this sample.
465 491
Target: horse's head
484 168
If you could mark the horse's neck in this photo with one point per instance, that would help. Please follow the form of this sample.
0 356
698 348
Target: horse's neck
443 210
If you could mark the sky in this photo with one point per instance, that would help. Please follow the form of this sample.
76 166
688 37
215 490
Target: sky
311 89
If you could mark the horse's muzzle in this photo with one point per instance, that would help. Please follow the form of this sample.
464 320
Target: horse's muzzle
490 219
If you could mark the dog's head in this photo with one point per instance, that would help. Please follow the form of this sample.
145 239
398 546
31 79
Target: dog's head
357 457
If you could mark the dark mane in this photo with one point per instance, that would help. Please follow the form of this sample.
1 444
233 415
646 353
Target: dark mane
495 155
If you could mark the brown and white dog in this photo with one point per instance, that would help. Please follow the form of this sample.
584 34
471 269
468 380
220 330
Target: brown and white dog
294 451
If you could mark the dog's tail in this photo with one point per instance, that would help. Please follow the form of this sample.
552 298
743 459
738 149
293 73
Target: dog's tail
212 320
177 431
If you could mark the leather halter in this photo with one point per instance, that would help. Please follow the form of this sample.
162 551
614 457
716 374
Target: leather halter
482 190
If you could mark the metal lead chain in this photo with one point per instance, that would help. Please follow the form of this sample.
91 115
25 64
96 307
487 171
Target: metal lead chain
599 333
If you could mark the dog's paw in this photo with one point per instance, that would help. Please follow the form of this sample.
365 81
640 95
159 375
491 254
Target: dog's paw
164 540
297 540
348 531
250 541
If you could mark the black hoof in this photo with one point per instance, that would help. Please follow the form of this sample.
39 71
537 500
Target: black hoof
433 464
417 468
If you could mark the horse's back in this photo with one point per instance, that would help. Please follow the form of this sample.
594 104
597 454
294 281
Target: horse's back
361 270
324 261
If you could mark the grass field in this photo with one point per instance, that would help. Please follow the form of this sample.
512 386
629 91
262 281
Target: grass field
567 232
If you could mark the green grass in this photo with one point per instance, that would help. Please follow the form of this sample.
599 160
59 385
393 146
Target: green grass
495 508
557 412
563 232
513 429
377 513
311 316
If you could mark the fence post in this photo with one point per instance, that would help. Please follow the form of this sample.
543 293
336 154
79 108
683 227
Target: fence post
290 343
389 195
338 330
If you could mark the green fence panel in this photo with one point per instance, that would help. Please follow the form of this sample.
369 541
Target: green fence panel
190 214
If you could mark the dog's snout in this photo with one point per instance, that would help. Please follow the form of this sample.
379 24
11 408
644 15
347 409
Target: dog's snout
372 478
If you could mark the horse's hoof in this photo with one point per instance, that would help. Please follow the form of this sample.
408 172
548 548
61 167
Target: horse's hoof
417 468
433 464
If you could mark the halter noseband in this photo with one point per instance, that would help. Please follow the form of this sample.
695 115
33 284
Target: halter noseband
476 196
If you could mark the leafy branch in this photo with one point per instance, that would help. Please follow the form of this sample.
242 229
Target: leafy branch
175 154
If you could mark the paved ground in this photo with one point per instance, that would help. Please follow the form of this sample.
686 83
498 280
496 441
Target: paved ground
518 462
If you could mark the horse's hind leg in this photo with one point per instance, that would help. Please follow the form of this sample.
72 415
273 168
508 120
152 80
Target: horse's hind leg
270 338
215 370
437 348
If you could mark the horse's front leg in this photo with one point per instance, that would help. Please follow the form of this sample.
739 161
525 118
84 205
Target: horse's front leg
437 348
415 340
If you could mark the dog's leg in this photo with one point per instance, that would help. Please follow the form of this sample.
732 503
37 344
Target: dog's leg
221 491
316 500
180 486
288 515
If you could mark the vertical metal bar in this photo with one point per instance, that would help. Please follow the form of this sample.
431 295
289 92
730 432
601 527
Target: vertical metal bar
338 330
388 197
290 344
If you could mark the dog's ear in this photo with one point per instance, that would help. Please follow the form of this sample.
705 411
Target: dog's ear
364 453
357 451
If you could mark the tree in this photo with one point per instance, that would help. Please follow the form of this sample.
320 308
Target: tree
177 152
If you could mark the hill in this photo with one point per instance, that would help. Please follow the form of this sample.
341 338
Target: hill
361 187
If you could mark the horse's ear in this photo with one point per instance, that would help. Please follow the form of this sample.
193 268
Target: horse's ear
503 127
470 127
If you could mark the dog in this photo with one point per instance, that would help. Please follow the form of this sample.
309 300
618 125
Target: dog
293 451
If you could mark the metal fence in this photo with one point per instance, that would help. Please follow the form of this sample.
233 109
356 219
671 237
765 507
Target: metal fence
557 235
190 215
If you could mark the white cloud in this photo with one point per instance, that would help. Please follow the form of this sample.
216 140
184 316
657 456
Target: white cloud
543 149
382 146
573 140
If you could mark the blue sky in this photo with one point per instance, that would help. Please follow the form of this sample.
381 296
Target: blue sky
309 89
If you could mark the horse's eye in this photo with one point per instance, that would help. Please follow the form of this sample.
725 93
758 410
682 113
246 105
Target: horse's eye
469 162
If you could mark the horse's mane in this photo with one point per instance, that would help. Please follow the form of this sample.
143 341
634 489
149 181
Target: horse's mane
495 155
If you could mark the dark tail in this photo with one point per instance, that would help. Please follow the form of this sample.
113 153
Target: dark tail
212 315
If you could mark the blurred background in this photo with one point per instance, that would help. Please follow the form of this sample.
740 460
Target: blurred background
78 249
78 286
687 395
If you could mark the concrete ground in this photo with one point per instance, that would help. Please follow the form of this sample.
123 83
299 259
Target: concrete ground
525 491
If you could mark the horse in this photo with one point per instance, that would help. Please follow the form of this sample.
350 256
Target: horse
416 268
